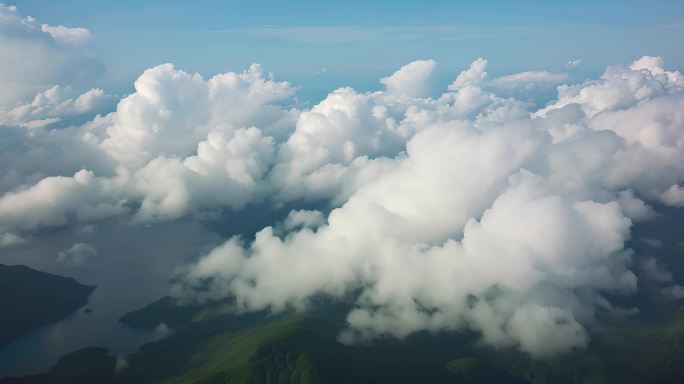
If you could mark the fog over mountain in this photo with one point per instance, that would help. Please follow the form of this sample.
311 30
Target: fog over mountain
470 208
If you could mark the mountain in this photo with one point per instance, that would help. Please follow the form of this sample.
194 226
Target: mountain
87 366
215 345
30 298
164 310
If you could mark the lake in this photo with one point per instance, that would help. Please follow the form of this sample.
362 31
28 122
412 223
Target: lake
129 274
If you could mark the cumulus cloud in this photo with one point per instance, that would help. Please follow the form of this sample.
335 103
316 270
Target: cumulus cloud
468 210
60 200
38 56
52 106
512 225
529 242
67 35
171 111
620 87
304 218
471 76
232 166
674 196
77 255
633 207
411 80
27 156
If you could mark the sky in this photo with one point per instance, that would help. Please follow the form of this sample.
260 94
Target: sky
355 42
444 166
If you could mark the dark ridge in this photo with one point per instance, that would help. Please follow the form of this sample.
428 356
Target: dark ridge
90 365
30 298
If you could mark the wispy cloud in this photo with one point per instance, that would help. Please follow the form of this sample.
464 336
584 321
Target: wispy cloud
355 34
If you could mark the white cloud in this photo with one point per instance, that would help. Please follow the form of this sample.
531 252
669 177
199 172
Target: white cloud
51 106
339 133
59 200
620 87
634 208
35 57
674 196
76 36
572 64
304 218
171 111
527 243
490 224
472 76
10 239
235 166
78 255
469 210
411 80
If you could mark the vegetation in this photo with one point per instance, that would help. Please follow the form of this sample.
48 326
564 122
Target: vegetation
212 344
291 348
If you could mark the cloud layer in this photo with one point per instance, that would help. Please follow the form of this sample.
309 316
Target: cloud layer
472 209
509 222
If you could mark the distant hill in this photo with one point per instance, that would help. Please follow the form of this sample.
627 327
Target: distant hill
90 365
217 346
211 343
164 311
30 298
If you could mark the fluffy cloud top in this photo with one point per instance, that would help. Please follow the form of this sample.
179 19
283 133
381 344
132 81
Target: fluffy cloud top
471 210
67 35
59 200
411 79
471 76
51 106
45 73
171 111
500 223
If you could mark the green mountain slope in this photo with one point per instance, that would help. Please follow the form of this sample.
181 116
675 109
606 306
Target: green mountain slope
290 348
214 346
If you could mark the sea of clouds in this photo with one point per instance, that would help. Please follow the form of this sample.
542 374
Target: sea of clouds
471 210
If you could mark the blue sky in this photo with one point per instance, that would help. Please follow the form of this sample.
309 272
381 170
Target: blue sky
357 42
